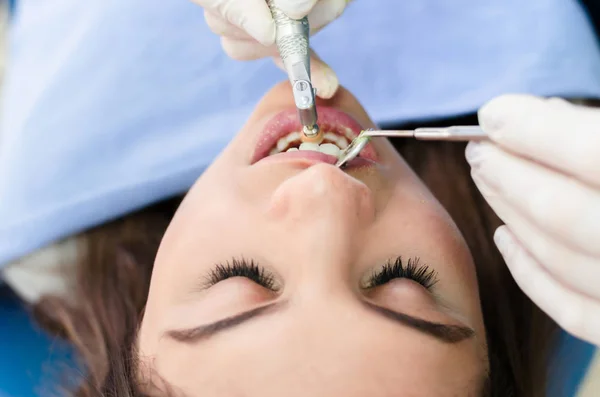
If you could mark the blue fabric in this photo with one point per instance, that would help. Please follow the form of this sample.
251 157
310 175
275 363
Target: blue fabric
569 365
30 361
11 5
110 105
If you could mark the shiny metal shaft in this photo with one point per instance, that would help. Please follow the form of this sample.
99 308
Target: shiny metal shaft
292 39
455 133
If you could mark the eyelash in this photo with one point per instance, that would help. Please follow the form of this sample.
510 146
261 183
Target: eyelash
414 271
241 268
392 270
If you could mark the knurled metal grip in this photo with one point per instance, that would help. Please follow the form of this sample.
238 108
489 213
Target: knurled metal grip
292 39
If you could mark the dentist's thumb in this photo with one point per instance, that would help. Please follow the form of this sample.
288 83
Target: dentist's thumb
296 9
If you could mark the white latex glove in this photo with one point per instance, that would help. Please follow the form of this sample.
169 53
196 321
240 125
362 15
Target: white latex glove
541 175
247 31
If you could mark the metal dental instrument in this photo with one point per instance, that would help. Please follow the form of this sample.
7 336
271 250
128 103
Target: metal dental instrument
292 39
456 133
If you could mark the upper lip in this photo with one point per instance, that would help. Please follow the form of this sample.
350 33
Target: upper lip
287 121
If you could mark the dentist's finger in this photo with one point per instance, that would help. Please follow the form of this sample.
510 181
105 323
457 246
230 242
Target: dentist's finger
323 77
324 12
550 131
576 313
295 9
577 271
252 16
240 46
246 50
221 27
557 204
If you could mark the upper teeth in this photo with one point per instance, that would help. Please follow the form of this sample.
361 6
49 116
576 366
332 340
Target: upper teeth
327 148
332 144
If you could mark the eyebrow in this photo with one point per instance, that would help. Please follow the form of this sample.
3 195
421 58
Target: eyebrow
450 334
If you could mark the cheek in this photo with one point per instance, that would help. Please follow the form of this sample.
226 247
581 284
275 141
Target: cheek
198 228
203 230
430 233
423 222
413 224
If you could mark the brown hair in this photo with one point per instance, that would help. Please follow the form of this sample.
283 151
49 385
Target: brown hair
113 277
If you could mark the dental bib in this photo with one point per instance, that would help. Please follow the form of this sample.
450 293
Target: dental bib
112 105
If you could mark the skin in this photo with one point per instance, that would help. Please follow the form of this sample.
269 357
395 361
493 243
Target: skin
320 231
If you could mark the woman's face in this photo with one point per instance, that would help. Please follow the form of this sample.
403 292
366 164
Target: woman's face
278 276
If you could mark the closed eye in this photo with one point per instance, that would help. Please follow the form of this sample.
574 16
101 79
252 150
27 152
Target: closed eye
413 270
241 268
392 270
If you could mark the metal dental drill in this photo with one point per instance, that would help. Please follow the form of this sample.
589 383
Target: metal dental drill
292 39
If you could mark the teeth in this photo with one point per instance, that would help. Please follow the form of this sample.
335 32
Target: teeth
332 140
327 148
284 142
330 148
294 136
309 146
349 134
341 142
330 136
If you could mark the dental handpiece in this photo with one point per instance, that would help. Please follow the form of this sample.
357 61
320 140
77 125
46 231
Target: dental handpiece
292 39
455 133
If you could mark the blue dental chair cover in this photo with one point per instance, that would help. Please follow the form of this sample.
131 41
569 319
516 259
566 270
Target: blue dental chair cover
31 363
110 105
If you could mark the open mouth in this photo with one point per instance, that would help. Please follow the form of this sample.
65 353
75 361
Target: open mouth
332 144
282 137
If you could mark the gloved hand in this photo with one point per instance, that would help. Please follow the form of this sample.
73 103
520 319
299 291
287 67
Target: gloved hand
541 175
247 31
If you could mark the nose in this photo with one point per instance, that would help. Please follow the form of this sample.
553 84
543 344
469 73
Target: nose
323 205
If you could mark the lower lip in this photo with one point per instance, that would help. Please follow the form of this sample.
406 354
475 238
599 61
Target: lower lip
330 119
310 157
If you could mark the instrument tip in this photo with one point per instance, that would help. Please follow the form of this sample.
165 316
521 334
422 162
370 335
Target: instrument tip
312 135
353 150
